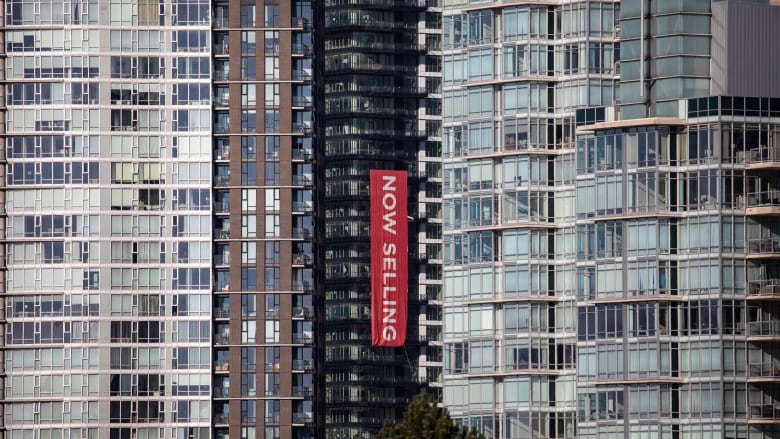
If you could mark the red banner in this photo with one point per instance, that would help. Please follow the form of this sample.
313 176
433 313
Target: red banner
389 258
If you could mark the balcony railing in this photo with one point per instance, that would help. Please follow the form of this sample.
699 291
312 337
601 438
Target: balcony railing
221 366
764 411
298 285
221 418
221 339
301 180
222 312
221 127
301 312
766 246
302 365
302 206
303 417
301 233
304 338
302 391
301 259
221 180
765 370
769 198
301 154
301 75
763 154
301 49
302 101
768 328
766 287
222 206
300 23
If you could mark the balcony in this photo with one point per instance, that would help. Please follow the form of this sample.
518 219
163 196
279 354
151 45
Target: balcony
301 259
221 127
222 153
304 365
302 154
299 285
221 392
764 371
219 22
367 21
303 338
301 233
222 339
763 248
303 418
763 157
300 23
221 312
221 418
301 312
222 232
302 127
303 101
221 48
303 206
302 391
221 180
301 75
397 4
222 366
222 206
221 75
763 203
764 289
302 180
301 49
763 413
350 44
766 329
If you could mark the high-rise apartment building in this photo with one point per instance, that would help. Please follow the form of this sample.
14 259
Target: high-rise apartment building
158 219
381 110
615 279
514 75
166 274
263 342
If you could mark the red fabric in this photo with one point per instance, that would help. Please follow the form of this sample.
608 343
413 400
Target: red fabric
389 258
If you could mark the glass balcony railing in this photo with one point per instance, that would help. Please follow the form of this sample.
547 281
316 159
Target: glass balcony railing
769 369
764 411
303 365
762 154
764 329
765 287
763 246
303 417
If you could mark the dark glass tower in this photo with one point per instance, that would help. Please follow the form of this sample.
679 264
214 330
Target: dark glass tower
374 90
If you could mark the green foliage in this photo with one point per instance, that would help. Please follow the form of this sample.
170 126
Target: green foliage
423 419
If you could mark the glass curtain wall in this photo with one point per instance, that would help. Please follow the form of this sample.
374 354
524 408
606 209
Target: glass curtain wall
513 78
108 202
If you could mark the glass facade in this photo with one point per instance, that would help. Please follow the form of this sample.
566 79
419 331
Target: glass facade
676 273
381 106
108 227
131 178
673 37
263 282
514 77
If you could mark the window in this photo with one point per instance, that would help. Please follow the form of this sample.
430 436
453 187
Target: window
248 147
